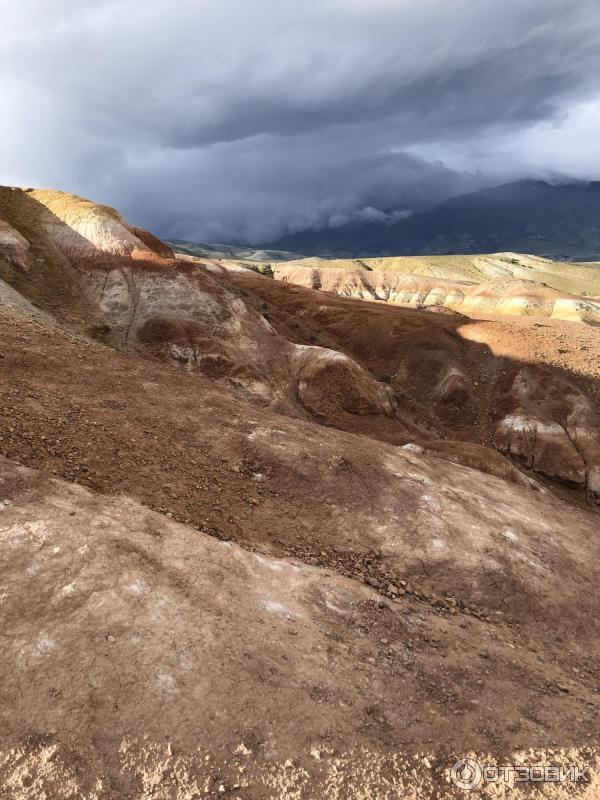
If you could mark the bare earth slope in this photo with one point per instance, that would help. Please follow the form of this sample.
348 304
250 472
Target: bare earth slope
398 377
260 542
142 648
120 285
460 379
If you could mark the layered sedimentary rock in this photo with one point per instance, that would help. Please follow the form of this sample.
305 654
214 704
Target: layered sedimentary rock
205 593
499 296
552 428
86 265
129 290
63 226
573 278
14 247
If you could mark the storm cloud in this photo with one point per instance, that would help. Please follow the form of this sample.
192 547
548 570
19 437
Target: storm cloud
241 121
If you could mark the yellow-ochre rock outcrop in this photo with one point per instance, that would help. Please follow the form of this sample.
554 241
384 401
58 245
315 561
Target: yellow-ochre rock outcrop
503 296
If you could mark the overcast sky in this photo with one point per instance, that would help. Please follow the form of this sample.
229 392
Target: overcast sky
242 119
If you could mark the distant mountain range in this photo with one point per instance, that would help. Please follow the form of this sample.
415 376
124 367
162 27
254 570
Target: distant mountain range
229 252
559 221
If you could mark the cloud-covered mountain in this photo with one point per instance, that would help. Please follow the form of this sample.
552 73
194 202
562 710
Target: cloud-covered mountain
555 220
241 122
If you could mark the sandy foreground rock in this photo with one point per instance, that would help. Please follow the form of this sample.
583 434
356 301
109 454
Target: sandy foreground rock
143 659
446 611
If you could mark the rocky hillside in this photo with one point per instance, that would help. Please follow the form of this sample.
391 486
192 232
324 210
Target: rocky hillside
499 295
497 283
571 278
231 252
267 542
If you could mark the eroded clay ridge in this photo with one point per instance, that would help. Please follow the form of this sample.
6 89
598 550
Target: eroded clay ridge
502 295
397 375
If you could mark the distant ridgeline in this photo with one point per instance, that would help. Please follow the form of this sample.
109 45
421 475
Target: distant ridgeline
553 220
227 252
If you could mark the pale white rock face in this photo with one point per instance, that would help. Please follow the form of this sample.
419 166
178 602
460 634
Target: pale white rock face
154 648
436 297
566 448
573 310
411 447
454 297
199 326
73 230
496 269
104 234
10 298
452 383
14 248
83 229
354 390
303 354
518 306
593 482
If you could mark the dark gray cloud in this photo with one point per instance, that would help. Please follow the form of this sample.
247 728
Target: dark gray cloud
243 120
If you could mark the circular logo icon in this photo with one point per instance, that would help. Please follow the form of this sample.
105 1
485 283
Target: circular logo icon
466 774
